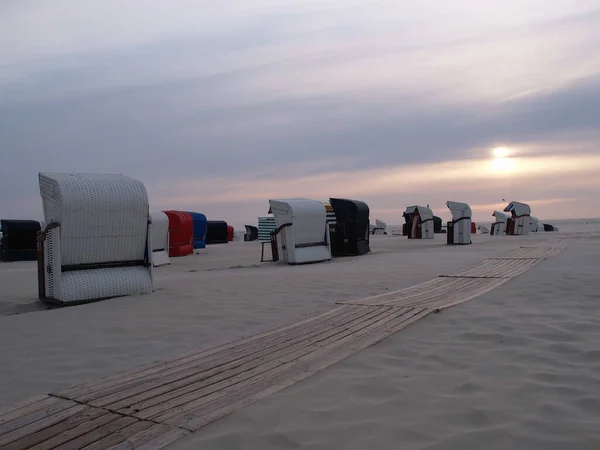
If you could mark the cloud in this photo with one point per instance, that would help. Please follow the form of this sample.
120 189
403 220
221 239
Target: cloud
209 103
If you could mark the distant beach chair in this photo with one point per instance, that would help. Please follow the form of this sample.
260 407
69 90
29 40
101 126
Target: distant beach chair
380 227
160 238
217 232
419 222
519 222
19 240
266 225
302 234
230 233
97 241
181 233
349 234
251 233
199 229
499 226
534 224
459 229
438 225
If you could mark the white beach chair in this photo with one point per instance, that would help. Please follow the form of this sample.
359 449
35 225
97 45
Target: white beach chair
534 224
160 238
499 226
97 241
521 213
302 230
459 229
424 215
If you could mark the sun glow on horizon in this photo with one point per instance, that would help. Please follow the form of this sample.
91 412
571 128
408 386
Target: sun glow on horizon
501 152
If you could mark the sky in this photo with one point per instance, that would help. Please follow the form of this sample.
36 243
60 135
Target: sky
219 106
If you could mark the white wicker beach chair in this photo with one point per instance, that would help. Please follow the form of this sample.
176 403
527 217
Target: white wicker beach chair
499 226
303 233
459 229
160 238
521 213
97 241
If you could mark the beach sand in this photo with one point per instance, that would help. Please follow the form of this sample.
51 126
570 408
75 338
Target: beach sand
517 368
400 392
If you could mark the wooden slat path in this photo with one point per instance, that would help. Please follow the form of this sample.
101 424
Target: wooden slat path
152 406
531 253
50 422
498 268
439 293
183 387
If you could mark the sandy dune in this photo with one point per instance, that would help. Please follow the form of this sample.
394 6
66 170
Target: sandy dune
518 368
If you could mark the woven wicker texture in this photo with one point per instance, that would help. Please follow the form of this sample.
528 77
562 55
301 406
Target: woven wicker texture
103 218
83 285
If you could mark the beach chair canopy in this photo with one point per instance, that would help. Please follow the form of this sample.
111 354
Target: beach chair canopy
518 209
217 232
19 240
251 233
380 224
304 232
307 216
181 233
351 235
424 213
199 227
407 214
459 210
500 216
96 242
160 238
354 211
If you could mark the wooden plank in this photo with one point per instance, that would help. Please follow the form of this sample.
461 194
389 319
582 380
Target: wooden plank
66 436
97 434
51 417
121 398
119 436
531 253
153 438
253 368
33 415
131 379
82 389
202 414
32 439
497 269
440 290
271 371
16 409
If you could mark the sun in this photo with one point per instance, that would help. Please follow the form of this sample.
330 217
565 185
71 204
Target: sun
501 152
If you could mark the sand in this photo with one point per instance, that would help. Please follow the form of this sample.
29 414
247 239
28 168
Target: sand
379 398
518 368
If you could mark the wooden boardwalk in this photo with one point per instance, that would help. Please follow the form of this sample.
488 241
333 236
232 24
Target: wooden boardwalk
151 407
